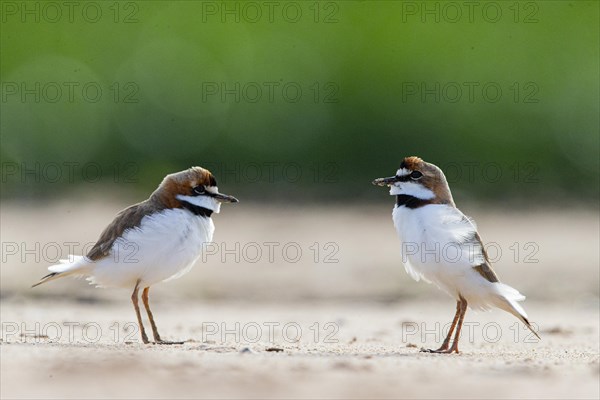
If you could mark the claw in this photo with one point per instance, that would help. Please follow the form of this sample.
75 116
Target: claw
167 342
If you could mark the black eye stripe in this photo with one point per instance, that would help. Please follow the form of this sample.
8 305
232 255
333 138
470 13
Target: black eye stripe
409 177
197 190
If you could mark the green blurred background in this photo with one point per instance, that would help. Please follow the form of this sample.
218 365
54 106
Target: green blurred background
302 100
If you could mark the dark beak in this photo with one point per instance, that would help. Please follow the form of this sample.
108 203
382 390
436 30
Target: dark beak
224 198
385 181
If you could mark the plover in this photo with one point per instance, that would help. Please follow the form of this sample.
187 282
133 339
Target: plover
442 246
156 240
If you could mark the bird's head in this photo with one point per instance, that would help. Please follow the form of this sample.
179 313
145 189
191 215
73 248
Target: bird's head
195 186
419 179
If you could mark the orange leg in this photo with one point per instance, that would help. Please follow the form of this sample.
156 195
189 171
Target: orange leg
461 309
150 316
157 338
454 348
446 342
134 299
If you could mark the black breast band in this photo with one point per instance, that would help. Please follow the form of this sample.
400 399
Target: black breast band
410 201
196 210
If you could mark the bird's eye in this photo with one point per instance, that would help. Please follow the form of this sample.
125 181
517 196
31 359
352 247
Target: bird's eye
199 189
415 175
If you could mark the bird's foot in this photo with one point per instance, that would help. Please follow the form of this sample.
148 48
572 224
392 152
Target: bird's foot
145 338
160 341
441 350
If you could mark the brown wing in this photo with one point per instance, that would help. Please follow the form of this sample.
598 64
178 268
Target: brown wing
129 218
485 269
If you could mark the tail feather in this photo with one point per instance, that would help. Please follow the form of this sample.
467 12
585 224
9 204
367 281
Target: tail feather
50 277
76 266
508 299
528 325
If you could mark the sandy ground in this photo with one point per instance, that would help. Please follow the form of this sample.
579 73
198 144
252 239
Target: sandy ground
341 320
327 351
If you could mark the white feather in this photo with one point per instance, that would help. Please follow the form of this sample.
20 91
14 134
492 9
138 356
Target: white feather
164 246
438 247
412 189
75 266
202 201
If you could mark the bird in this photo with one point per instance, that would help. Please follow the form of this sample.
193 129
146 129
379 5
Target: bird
156 240
441 245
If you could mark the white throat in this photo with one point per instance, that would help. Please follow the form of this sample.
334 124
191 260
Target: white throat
411 189
202 201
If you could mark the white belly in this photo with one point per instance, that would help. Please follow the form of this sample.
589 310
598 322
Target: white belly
437 246
164 246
